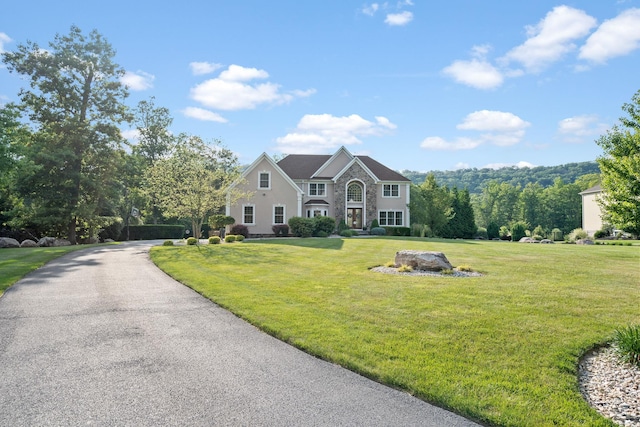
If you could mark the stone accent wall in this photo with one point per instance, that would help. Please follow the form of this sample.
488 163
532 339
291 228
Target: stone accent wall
355 172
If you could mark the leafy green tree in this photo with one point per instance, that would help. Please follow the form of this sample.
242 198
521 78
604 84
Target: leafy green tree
75 103
192 182
430 205
499 203
620 167
462 223
563 206
531 204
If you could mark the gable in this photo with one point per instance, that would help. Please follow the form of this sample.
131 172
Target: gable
264 163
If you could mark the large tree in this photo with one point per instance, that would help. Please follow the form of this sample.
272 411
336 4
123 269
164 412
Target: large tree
430 205
75 103
192 181
620 169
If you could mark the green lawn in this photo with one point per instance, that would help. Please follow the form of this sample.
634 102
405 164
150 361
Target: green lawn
15 263
502 348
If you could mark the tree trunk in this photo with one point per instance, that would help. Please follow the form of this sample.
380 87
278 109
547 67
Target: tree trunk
71 235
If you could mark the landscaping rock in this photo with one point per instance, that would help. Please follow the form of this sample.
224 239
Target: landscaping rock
528 240
61 242
547 241
8 242
584 242
28 244
423 260
46 242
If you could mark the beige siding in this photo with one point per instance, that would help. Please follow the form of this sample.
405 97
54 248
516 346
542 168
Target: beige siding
591 213
338 163
394 203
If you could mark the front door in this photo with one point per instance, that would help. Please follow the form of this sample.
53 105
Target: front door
354 218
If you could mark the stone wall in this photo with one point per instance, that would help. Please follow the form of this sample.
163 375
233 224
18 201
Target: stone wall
355 172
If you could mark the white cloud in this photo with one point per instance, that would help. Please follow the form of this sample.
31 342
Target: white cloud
578 128
437 143
476 73
200 68
3 40
233 89
500 128
399 19
139 80
320 133
551 38
202 114
371 9
461 165
615 37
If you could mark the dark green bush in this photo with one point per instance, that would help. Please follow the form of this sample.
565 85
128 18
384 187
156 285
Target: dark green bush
153 231
280 230
375 223
301 227
481 233
518 231
556 235
626 342
322 234
112 231
192 241
348 233
167 243
239 238
342 226
240 229
600 234
230 238
493 230
324 224
378 231
398 231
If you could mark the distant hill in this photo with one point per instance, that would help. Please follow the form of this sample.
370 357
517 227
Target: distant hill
475 179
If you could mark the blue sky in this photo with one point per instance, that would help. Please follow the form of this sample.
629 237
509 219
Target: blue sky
418 85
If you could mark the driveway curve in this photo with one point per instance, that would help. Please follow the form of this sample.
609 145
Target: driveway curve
102 337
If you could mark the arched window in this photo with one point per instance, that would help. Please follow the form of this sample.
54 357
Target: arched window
354 192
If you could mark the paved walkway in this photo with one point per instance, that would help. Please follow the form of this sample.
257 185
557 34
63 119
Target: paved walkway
103 337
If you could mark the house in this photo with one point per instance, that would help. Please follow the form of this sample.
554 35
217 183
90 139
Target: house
354 189
591 211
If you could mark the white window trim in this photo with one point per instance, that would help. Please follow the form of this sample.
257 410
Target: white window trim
260 181
324 189
284 214
391 196
254 214
387 211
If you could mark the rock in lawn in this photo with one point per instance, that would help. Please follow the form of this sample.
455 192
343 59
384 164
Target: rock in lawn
423 260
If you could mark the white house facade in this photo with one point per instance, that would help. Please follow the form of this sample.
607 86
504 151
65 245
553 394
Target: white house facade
349 188
591 211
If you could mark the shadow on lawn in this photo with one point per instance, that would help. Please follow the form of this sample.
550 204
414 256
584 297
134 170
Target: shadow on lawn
311 242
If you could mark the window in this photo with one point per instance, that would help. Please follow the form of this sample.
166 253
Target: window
264 180
390 190
316 189
278 214
354 193
248 214
390 218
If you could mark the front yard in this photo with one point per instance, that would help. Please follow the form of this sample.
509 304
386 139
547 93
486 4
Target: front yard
502 348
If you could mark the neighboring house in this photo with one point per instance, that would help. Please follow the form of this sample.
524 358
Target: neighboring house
591 212
354 189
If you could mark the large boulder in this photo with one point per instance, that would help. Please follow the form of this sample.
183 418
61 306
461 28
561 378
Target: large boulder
47 242
28 243
423 260
584 242
8 242
61 242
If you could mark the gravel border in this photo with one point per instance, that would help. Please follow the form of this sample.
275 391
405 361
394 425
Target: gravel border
612 388
456 273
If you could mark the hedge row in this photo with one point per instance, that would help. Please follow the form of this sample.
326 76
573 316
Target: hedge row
153 231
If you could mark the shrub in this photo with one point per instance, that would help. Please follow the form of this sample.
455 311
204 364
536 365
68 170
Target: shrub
464 267
322 234
214 240
230 238
167 243
239 238
390 264
556 235
600 234
348 233
112 231
192 241
240 229
627 344
375 223
421 230
518 231
219 221
378 231
493 231
577 234
153 231
323 224
398 231
280 230
505 234
537 237
539 231
481 233
404 268
301 227
342 226
447 271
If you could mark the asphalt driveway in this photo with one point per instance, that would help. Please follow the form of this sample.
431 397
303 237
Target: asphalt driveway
102 337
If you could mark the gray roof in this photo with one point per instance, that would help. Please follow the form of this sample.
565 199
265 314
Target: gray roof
594 189
303 166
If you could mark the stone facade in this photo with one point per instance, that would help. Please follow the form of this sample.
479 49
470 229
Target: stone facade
355 173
